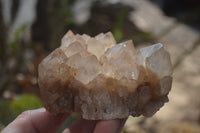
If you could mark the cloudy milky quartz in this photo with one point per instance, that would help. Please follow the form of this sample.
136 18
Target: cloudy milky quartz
100 79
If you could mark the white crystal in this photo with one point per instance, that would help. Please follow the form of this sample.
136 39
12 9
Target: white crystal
74 60
89 68
67 39
95 47
86 37
86 67
155 58
75 48
120 61
165 85
107 39
81 40
116 50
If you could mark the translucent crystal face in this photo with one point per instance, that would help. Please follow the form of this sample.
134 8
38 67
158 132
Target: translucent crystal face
92 56
119 61
156 58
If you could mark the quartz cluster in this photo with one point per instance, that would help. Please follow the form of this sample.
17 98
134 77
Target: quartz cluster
100 79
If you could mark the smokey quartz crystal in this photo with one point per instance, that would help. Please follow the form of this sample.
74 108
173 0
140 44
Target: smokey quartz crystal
100 79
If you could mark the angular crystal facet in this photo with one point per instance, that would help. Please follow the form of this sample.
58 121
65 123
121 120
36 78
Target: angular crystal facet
75 48
95 47
101 80
120 61
107 39
67 39
156 58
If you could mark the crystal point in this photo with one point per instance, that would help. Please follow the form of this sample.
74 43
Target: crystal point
156 58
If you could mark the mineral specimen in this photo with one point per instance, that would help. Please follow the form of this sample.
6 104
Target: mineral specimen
101 80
